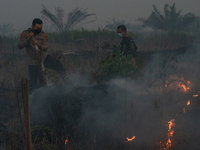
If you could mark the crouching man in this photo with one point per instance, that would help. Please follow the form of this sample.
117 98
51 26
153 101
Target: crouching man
36 43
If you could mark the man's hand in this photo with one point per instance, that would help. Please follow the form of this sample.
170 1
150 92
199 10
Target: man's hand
31 34
36 42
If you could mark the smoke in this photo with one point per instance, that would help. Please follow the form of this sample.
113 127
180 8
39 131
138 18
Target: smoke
122 107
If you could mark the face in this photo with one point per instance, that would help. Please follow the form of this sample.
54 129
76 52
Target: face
37 28
122 32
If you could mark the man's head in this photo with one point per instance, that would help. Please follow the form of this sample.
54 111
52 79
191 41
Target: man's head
121 31
37 25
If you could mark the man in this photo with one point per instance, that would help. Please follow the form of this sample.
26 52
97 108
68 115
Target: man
36 43
128 46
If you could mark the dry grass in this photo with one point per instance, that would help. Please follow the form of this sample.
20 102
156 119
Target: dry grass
13 71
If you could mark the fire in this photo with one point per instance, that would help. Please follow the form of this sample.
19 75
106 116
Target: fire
188 102
195 95
184 87
66 141
188 82
130 139
183 110
171 123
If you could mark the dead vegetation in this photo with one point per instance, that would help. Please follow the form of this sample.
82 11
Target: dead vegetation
80 56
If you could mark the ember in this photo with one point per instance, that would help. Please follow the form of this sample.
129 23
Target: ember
130 139
195 95
188 102
66 141
184 87
170 134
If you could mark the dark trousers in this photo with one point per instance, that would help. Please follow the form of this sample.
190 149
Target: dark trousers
49 63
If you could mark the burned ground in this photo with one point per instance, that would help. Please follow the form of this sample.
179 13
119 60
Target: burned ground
101 116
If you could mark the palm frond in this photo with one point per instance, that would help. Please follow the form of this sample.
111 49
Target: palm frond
75 17
172 20
60 15
51 18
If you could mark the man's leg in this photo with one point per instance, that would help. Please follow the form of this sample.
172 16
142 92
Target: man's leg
33 77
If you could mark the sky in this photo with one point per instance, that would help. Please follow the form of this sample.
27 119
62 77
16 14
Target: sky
21 12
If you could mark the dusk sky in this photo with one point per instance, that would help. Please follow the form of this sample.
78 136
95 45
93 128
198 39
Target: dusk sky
21 12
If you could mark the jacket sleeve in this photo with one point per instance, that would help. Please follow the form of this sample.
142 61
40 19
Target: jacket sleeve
23 40
44 46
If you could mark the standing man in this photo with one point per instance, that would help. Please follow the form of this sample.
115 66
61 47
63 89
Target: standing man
36 43
128 46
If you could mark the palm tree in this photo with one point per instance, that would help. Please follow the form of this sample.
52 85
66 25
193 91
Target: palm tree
171 21
6 28
73 18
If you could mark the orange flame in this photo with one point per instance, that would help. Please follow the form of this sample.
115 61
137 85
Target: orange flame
188 82
188 102
66 141
184 87
130 139
195 95
171 123
170 133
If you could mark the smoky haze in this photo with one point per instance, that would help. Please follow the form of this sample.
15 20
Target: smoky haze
124 107
20 13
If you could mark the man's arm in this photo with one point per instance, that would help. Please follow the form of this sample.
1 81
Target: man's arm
124 47
44 46
24 39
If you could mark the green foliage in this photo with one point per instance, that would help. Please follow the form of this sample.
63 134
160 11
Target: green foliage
73 35
116 66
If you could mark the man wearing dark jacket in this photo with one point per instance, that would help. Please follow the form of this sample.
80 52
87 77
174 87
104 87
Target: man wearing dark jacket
36 43
128 46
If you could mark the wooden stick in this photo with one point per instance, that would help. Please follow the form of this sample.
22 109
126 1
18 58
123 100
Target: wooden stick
28 117
20 115
25 114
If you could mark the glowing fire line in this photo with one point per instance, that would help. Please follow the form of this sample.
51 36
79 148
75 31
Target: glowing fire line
130 139
66 141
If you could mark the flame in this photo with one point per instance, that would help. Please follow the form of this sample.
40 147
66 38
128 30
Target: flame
188 102
171 123
188 82
130 139
195 95
183 110
66 141
184 87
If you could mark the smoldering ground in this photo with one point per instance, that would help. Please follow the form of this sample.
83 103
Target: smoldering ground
121 108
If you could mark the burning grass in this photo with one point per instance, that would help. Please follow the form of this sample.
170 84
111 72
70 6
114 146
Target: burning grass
121 114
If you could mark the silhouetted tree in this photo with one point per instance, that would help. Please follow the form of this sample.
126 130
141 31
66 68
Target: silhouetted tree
171 21
73 18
